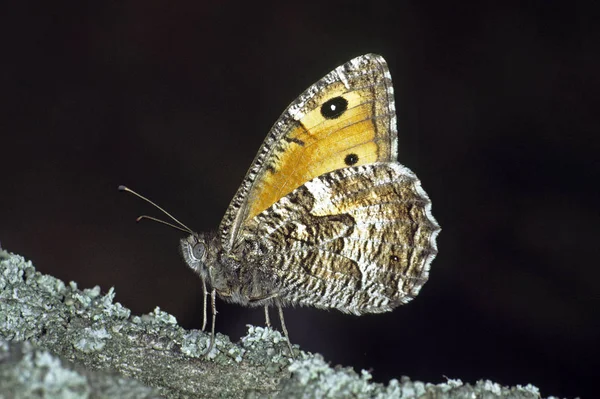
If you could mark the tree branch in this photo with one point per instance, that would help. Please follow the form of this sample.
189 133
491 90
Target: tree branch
60 340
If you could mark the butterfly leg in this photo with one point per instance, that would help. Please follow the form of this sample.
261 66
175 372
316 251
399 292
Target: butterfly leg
204 295
285 331
265 298
267 319
213 300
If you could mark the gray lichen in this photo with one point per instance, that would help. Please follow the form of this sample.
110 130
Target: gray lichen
62 342
29 372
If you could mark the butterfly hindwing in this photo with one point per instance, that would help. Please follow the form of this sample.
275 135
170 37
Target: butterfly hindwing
345 119
358 239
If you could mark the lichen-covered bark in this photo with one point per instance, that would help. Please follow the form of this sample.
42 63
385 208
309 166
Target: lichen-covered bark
87 328
29 372
57 340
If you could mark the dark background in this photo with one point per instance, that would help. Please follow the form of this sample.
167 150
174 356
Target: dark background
174 98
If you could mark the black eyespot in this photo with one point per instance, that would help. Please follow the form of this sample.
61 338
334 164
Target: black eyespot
351 159
334 107
394 258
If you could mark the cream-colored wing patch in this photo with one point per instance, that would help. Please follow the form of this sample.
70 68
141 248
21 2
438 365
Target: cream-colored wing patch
346 119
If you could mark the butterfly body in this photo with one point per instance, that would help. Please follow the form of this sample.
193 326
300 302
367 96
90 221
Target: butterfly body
326 216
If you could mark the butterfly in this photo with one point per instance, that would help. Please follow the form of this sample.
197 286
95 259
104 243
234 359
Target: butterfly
325 216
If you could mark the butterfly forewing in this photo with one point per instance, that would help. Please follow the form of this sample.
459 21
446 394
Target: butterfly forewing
346 119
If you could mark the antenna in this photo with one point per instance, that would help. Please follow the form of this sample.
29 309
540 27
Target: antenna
183 227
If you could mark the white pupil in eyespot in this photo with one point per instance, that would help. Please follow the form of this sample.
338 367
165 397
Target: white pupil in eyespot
332 106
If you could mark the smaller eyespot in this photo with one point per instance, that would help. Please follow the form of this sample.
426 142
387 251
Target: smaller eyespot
351 159
394 258
334 107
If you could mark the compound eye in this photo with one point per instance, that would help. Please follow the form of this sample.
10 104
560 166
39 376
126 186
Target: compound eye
199 250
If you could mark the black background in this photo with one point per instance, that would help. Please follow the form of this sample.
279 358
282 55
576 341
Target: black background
173 99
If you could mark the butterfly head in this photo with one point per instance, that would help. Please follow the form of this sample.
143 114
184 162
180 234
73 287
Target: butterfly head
199 251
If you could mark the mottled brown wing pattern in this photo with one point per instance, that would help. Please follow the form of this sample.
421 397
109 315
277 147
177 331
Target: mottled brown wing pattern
347 118
358 239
